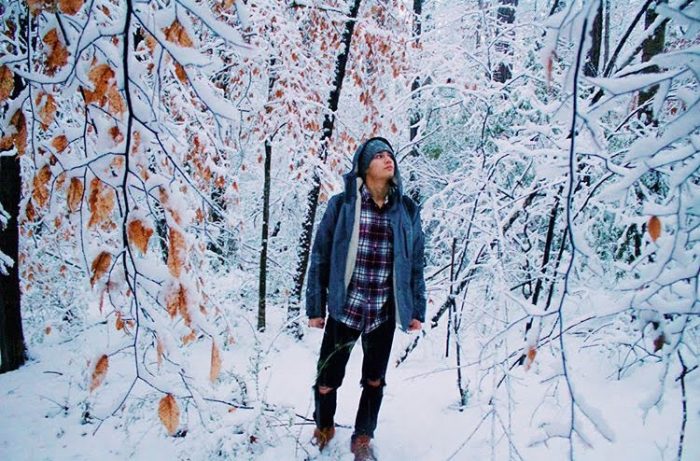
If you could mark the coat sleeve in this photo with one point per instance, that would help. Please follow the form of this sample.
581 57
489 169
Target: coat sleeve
417 269
319 266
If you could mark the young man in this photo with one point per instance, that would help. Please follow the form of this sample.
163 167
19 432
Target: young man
366 270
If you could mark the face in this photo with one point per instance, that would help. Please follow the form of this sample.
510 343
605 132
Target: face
381 168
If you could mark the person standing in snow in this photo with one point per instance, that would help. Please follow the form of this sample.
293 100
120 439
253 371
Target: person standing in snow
366 273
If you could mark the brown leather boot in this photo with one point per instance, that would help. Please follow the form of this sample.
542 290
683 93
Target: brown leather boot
322 436
361 447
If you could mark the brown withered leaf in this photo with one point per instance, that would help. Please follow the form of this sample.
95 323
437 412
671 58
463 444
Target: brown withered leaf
58 54
59 143
30 211
189 337
177 34
176 301
17 136
37 6
75 194
7 82
47 110
40 193
100 266
70 7
115 101
159 352
119 322
101 201
176 252
659 342
180 72
99 372
169 413
215 367
116 134
531 354
139 234
101 77
654 228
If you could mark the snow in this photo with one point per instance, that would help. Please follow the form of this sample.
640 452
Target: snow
46 401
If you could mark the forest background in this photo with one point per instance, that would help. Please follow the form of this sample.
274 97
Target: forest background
163 164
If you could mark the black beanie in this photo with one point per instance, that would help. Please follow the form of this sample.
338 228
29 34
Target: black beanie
373 147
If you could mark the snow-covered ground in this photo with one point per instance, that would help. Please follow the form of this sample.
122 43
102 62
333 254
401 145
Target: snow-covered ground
43 405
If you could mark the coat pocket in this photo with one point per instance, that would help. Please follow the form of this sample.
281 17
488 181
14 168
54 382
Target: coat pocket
407 243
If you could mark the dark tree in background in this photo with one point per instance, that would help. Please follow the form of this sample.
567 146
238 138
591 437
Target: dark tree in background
12 348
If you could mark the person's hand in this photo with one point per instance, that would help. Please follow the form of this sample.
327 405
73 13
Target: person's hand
317 322
415 325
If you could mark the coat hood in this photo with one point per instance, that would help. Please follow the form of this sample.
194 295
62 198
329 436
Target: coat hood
352 178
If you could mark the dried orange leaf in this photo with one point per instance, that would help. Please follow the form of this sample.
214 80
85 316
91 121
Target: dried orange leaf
119 322
531 354
59 143
654 227
215 368
659 342
159 352
116 135
75 194
176 252
7 83
40 193
99 373
115 100
139 235
47 109
177 34
101 200
189 337
17 135
180 72
70 7
100 266
169 413
58 54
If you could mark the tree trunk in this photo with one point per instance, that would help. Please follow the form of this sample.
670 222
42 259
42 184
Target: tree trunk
506 17
262 287
12 348
651 47
304 246
592 65
415 115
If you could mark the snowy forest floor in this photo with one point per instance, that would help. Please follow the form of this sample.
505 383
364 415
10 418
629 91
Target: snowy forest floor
42 407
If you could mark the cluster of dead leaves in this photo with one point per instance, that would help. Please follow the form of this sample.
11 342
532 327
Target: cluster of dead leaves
16 134
101 201
106 94
57 56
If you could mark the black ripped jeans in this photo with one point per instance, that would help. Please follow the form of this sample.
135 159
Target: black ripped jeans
338 341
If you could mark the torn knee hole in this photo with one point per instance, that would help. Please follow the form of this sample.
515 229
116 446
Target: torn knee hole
374 382
324 390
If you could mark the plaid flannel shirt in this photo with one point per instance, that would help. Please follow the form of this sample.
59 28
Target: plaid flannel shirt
371 283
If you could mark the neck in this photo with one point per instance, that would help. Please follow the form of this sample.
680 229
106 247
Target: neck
378 190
